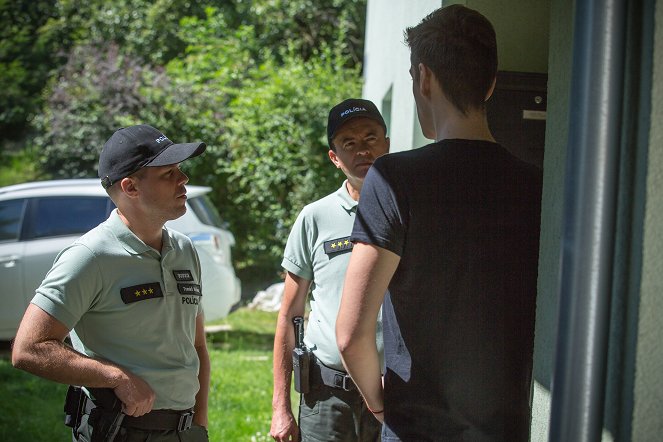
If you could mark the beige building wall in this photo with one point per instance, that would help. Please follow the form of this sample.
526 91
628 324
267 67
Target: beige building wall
648 396
386 67
557 133
522 33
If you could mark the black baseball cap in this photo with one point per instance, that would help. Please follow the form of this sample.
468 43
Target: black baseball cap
132 148
349 109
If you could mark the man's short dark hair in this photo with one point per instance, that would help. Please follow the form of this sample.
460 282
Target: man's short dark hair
458 45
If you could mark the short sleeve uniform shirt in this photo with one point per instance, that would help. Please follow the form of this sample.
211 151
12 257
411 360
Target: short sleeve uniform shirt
132 305
318 249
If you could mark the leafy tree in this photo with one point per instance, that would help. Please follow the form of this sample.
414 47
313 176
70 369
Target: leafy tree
26 59
263 114
144 29
278 160
203 83
37 35
95 92
308 25
255 89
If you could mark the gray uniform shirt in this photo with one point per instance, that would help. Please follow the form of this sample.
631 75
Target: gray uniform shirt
132 305
318 249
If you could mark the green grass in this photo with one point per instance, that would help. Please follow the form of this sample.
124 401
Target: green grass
240 393
241 389
30 407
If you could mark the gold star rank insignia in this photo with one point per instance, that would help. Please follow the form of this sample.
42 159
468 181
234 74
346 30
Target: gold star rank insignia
338 245
141 292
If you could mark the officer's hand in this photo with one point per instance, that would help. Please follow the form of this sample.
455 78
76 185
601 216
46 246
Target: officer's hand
284 427
136 395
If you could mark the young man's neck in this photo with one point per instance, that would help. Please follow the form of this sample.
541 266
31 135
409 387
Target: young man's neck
455 125
445 119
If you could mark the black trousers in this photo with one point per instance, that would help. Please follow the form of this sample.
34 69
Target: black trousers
194 434
334 415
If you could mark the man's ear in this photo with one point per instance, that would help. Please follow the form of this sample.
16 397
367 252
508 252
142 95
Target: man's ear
425 78
388 143
334 159
491 90
128 186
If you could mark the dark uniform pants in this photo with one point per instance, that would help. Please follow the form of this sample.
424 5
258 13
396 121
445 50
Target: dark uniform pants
194 434
328 414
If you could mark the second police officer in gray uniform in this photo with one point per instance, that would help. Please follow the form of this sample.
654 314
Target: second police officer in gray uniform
316 257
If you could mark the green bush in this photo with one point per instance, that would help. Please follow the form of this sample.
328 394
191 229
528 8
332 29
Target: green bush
276 134
263 115
19 166
28 55
96 91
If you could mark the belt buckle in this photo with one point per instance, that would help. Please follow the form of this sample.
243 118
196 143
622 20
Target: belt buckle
186 420
343 381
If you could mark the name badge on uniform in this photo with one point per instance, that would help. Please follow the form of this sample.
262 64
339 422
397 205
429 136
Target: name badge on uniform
189 289
338 245
141 292
182 275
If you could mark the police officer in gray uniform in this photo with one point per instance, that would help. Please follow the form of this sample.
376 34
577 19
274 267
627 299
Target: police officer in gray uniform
129 292
315 259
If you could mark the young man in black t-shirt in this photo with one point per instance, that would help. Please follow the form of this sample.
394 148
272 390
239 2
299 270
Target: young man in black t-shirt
452 231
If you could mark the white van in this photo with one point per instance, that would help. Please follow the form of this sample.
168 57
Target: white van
39 219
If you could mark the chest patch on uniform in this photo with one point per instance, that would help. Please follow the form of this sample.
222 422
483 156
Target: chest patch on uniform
338 245
141 292
189 289
182 275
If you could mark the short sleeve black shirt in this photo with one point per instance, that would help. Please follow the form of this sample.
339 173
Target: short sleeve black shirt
458 319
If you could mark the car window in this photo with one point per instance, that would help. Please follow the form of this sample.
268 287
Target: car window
58 216
11 212
206 212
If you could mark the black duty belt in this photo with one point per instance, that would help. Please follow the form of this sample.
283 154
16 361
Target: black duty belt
159 420
321 374
155 420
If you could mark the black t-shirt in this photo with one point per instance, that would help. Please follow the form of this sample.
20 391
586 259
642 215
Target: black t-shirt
458 319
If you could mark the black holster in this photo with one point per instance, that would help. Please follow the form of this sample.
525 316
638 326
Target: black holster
104 410
106 416
301 366
301 358
74 406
